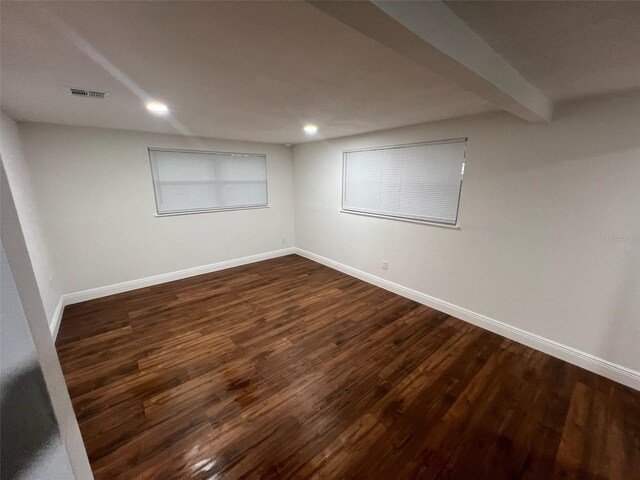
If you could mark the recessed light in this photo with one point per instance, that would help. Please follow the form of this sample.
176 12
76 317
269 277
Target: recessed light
310 129
157 108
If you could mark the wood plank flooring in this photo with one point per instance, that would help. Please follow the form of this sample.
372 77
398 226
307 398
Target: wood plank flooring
288 369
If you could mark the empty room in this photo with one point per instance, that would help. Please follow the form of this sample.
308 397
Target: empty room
320 239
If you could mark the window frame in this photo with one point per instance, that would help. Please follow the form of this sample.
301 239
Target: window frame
204 210
455 225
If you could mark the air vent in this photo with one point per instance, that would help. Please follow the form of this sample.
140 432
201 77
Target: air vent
81 92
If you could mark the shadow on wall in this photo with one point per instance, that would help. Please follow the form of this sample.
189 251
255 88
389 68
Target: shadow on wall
27 422
625 310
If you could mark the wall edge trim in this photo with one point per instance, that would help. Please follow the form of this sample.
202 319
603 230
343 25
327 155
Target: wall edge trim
56 318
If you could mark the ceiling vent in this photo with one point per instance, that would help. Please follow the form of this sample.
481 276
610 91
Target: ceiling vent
81 92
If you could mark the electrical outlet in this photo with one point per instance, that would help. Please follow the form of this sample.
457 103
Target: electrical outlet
385 264
284 240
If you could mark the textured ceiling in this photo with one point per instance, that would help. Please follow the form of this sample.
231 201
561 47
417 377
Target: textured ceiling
567 49
238 70
260 71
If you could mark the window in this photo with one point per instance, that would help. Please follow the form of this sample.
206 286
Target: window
193 182
419 182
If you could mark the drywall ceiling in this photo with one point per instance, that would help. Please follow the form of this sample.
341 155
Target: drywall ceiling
249 71
567 49
260 71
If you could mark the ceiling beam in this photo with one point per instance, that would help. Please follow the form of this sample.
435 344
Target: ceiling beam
432 35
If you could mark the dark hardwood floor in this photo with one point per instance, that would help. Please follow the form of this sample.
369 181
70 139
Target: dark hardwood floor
288 369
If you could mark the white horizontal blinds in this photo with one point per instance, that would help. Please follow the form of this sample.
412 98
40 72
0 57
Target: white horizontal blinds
419 182
197 181
363 181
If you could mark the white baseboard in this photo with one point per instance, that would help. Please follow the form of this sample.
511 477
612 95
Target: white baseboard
56 318
613 371
93 293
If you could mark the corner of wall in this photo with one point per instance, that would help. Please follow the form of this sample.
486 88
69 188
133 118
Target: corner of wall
20 187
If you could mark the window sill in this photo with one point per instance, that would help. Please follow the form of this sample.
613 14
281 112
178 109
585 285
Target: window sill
409 220
212 210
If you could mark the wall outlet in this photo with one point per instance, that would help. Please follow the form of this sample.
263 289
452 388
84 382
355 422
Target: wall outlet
385 264
284 241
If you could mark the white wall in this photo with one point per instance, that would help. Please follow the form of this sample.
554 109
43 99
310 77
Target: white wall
96 195
549 239
542 211
30 217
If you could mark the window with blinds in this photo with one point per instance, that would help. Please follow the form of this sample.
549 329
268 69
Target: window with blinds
194 182
419 182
